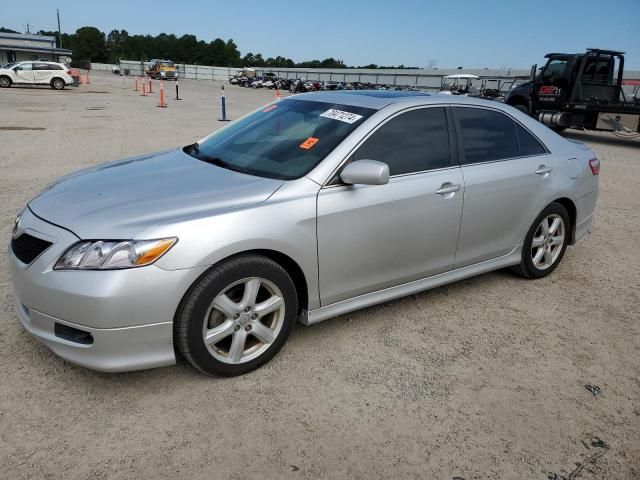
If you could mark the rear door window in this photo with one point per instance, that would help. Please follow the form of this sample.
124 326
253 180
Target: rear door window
42 66
487 135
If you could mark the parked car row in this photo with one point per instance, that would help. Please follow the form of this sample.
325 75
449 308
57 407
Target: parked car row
302 85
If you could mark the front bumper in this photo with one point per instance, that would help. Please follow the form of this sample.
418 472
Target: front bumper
111 349
127 314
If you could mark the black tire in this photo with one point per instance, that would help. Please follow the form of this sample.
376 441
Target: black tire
522 108
188 328
527 268
57 84
5 82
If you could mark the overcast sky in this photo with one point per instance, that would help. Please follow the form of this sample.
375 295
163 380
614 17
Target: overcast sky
482 33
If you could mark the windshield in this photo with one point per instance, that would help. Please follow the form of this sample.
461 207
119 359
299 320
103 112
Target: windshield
166 64
284 140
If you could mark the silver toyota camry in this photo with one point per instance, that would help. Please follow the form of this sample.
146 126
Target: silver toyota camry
307 208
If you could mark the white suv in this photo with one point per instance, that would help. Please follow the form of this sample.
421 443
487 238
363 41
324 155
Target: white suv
56 75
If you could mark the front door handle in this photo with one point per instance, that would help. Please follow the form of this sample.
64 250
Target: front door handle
543 170
447 187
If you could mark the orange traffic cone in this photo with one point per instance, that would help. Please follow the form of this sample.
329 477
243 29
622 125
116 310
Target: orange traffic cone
136 89
144 89
162 104
150 85
88 82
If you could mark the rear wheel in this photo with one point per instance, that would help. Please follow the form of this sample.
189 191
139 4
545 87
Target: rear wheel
57 84
237 317
545 242
5 82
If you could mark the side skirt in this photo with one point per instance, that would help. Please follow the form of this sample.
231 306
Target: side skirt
391 293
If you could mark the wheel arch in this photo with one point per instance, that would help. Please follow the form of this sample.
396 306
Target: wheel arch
53 79
568 204
285 261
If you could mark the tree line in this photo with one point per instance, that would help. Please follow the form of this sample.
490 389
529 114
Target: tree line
89 44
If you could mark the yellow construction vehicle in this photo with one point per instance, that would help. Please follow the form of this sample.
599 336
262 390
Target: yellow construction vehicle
162 70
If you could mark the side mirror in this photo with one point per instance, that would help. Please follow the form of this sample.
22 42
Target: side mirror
365 172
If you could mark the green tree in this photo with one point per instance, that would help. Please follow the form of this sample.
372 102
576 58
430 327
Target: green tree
89 45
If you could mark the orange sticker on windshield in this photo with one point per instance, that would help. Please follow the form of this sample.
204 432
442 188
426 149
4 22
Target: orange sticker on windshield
309 142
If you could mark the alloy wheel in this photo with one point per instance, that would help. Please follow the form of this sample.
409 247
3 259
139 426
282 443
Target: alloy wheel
548 241
243 320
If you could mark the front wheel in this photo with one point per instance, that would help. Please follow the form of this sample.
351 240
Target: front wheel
57 84
545 242
5 82
237 316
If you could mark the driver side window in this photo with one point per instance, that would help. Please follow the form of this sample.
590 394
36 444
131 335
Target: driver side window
554 70
24 67
411 142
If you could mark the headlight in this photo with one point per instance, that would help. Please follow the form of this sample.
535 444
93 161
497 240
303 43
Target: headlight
163 73
113 255
16 224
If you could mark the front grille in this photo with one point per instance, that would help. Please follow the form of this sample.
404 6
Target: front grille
27 248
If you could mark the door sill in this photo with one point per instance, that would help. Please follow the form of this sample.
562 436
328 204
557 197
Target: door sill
391 293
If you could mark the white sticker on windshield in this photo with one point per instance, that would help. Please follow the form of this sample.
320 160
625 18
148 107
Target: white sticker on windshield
347 117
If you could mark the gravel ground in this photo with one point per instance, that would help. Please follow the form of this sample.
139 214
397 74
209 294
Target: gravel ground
484 378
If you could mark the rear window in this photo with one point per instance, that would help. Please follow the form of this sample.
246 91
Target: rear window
528 144
284 140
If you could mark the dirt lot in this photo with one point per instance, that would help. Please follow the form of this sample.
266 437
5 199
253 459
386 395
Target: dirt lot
481 379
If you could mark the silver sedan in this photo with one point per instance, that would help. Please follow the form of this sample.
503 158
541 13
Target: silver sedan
307 208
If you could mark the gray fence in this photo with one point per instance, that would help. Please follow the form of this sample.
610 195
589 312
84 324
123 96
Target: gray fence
423 79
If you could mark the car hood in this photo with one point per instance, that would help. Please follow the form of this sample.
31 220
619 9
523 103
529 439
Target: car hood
121 199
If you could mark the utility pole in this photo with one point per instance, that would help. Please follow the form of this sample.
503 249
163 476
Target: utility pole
28 28
59 31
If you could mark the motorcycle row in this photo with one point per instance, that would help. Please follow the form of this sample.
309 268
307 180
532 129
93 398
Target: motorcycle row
301 85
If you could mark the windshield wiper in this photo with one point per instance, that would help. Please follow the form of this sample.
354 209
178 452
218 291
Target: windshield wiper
217 161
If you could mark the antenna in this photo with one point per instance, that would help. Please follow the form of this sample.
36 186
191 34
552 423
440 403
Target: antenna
59 31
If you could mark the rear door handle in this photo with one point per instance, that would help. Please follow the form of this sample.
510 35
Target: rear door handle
447 187
543 170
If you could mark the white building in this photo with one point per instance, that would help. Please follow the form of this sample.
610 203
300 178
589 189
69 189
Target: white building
17 47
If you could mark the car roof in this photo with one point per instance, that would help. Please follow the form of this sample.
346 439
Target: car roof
378 99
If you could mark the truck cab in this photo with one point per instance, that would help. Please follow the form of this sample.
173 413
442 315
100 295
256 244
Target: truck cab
578 90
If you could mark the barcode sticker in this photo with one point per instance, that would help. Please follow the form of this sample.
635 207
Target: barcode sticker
346 117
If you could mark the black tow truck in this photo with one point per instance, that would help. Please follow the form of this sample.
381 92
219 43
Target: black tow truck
581 91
